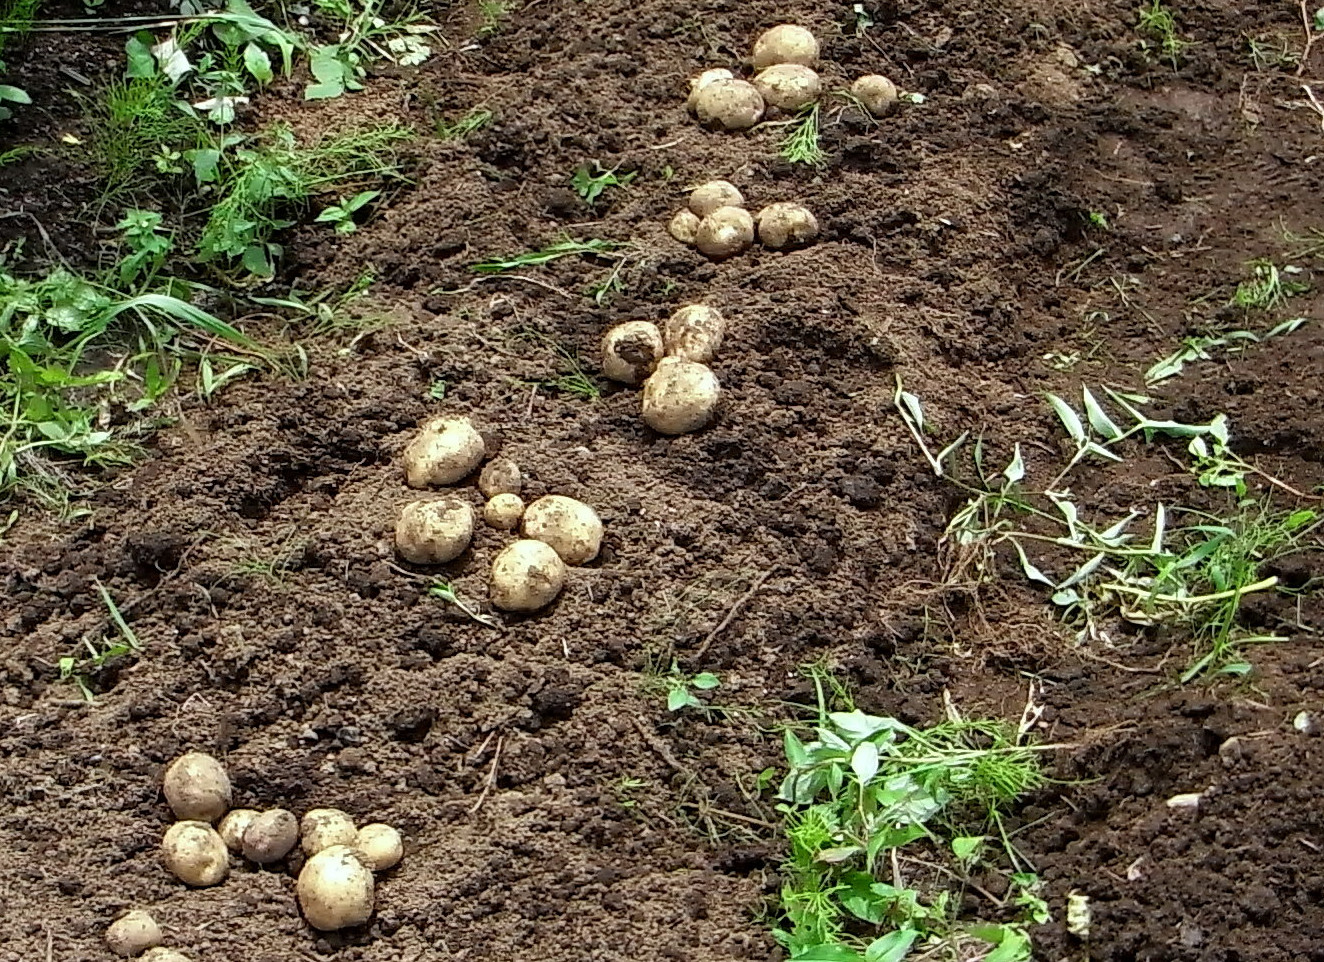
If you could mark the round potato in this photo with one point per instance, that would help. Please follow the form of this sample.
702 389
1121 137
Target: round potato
703 80
504 511
195 854
785 43
680 397
706 198
165 955
876 93
323 827
197 788
500 476
234 825
729 105
380 846
694 333
434 532
133 933
630 351
526 576
788 86
786 225
571 527
446 450
725 232
335 889
684 226
271 836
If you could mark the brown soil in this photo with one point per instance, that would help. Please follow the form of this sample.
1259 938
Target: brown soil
553 809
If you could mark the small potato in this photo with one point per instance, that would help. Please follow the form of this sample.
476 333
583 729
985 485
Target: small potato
725 232
785 43
729 105
788 86
504 511
445 451
684 226
335 889
703 80
694 333
234 825
630 351
165 955
526 576
197 788
380 846
323 827
786 225
195 854
706 198
434 532
133 933
571 527
271 836
500 476
680 397
876 93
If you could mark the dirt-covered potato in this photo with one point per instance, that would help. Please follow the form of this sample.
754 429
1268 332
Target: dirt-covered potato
703 80
434 532
785 43
694 333
133 933
680 397
630 351
876 93
706 198
335 889
526 576
445 451
571 527
786 225
788 86
684 226
725 232
234 825
165 955
728 105
197 788
321 828
271 836
195 853
504 511
380 846
500 476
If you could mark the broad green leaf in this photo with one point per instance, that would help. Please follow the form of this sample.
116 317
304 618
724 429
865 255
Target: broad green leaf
678 698
206 163
258 63
1099 420
174 62
1095 448
795 750
255 261
15 95
138 52
966 847
1015 471
1070 420
857 725
827 953
706 681
864 762
892 947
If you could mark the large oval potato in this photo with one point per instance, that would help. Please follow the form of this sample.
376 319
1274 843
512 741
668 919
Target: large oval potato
195 853
197 788
630 351
694 333
133 933
526 576
785 43
445 450
729 105
788 86
572 528
322 828
335 889
680 397
725 232
434 532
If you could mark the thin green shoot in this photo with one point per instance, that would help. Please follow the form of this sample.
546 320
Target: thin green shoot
681 689
491 13
472 122
590 185
446 592
801 144
1157 22
553 252
1201 348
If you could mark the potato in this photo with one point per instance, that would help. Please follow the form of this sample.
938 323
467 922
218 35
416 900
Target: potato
703 80
684 226
630 351
133 933
504 511
785 43
729 105
694 333
165 955
788 86
706 198
786 225
335 889
445 451
195 854
234 825
571 527
725 232
323 827
434 532
501 476
380 846
271 836
526 576
876 93
196 787
680 397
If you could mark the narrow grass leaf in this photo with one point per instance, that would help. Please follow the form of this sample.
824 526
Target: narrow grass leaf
913 408
1160 528
832 952
1015 471
1031 572
1070 420
1098 417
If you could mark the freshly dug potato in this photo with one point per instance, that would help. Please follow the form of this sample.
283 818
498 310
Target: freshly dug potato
434 532
335 889
504 511
725 232
445 451
271 836
785 43
680 397
571 527
323 827
133 933
526 576
703 80
706 198
234 825
788 86
684 226
501 476
694 333
197 788
786 225
380 846
165 955
876 93
630 351
195 854
729 105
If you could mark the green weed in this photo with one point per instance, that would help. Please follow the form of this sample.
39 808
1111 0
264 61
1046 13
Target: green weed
342 214
491 15
1200 348
801 144
590 185
1158 23
472 122
83 670
1267 288
681 688
563 248
446 592
136 120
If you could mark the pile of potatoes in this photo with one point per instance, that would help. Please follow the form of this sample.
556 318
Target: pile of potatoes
716 222
528 574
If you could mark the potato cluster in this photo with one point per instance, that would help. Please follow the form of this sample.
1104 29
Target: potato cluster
717 223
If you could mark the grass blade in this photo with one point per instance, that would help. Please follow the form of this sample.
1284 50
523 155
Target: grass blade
1070 420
